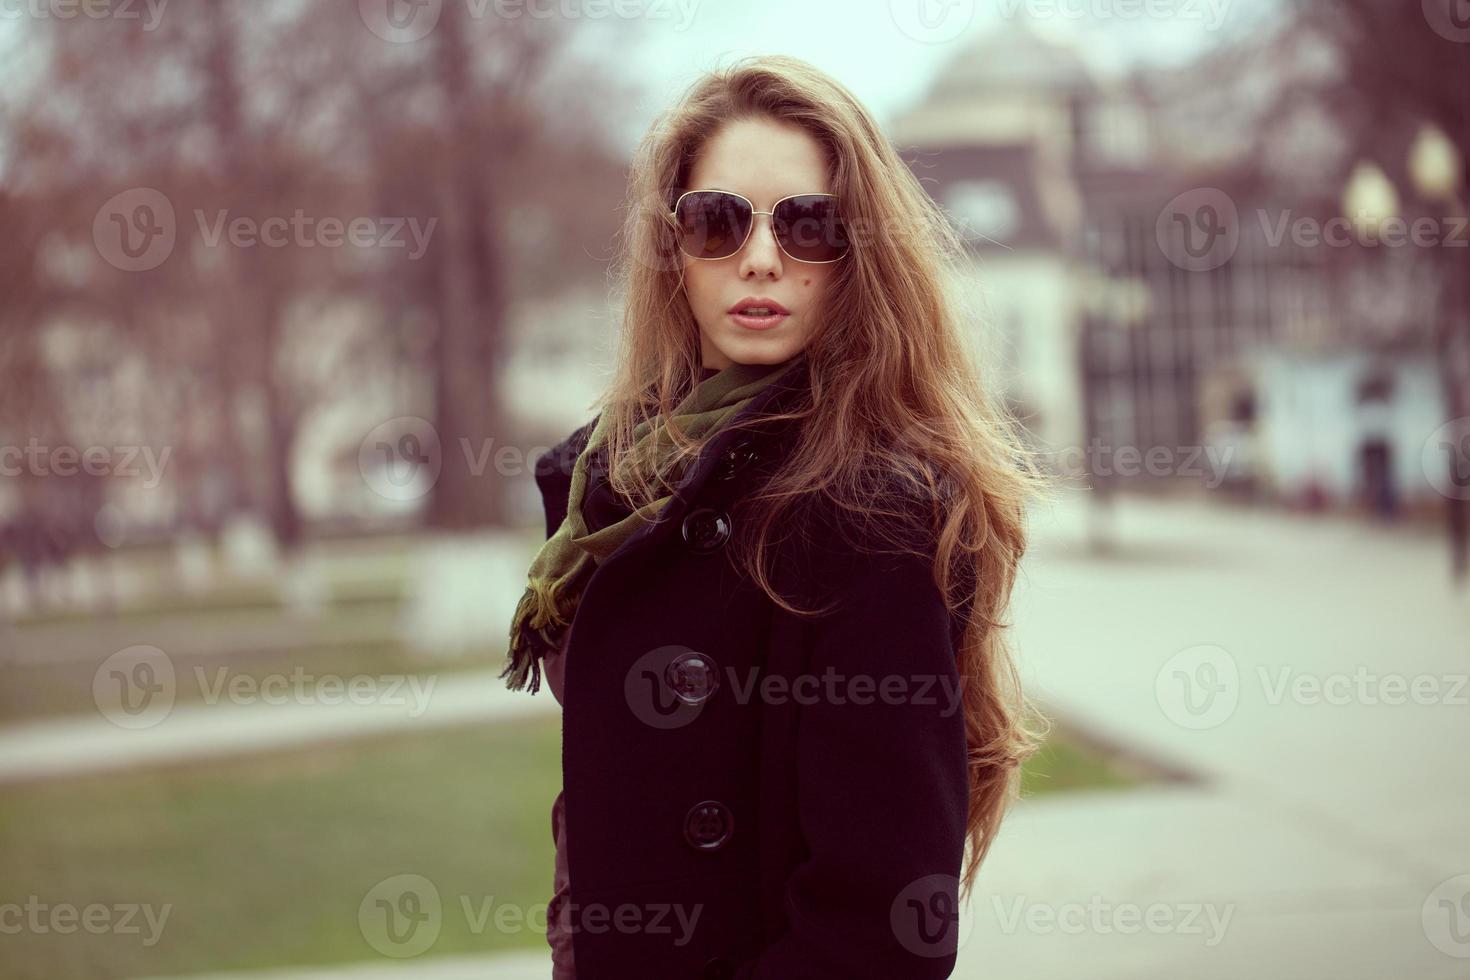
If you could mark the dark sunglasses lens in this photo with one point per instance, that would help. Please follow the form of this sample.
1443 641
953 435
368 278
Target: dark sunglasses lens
712 225
810 229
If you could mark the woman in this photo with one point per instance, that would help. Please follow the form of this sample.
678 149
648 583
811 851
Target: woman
776 565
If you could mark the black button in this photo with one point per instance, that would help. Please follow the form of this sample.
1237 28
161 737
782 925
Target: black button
706 530
717 968
707 825
692 677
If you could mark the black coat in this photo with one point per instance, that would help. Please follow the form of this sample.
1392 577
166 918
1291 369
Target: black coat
715 829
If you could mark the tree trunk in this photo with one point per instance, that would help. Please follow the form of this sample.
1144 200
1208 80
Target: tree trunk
470 306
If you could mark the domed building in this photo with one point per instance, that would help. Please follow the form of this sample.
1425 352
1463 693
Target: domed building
994 142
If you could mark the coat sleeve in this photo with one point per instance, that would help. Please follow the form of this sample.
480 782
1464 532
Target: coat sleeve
883 786
553 473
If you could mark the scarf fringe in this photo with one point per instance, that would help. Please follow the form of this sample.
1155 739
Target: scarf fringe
541 619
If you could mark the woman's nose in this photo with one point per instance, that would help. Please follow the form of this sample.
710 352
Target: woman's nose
761 252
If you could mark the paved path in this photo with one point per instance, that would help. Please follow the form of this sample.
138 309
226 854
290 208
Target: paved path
91 743
508 966
1264 652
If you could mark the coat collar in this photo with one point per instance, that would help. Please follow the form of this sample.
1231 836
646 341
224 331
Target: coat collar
728 452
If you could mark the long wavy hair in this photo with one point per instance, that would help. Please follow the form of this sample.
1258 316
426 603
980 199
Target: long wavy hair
894 388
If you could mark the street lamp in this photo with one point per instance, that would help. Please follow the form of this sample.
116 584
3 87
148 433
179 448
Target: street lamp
1369 199
1434 165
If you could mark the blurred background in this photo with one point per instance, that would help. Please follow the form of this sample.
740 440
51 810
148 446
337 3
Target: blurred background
292 293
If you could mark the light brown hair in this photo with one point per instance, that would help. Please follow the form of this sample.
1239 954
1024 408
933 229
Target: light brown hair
894 389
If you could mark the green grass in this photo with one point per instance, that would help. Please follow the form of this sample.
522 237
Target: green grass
265 860
41 690
1064 764
226 597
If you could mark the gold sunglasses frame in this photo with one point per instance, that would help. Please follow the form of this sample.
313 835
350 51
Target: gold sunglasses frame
674 217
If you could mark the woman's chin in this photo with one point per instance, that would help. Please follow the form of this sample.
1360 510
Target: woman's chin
759 346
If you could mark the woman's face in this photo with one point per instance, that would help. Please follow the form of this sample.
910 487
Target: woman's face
764 160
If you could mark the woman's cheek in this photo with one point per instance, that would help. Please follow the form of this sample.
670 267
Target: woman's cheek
698 291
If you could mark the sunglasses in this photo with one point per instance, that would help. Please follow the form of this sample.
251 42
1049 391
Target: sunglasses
717 224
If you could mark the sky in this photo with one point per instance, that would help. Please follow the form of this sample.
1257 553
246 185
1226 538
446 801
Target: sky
886 51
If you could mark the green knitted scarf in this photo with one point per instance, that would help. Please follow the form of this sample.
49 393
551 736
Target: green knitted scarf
572 552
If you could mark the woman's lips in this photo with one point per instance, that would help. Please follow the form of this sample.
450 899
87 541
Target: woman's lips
758 322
